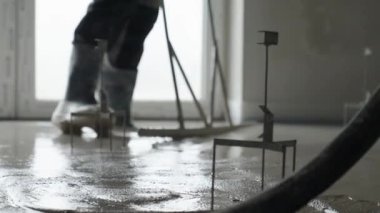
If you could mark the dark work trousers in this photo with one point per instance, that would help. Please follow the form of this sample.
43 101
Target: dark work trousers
124 24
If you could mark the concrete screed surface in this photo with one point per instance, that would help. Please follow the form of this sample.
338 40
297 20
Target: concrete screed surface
39 170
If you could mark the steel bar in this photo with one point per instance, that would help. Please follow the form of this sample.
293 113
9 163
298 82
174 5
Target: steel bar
219 64
197 104
279 146
263 169
283 161
334 161
178 100
71 132
266 76
185 133
125 128
272 146
110 131
294 158
213 176
212 22
100 130
224 92
213 89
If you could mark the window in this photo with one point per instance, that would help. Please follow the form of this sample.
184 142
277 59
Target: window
50 53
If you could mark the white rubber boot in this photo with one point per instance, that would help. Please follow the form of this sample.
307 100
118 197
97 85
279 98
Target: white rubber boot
118 87
62 118
80 93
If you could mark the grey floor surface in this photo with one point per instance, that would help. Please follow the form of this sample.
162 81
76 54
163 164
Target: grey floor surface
39 170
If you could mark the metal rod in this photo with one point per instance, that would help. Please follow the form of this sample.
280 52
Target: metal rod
294 157
197 104
125 127
212 23
110 131
224 91
263 170
219 64
213 176
283 161
213 88
186 133
178 101
266 75
100 126
71 132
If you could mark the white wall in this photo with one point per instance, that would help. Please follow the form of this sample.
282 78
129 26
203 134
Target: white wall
319 62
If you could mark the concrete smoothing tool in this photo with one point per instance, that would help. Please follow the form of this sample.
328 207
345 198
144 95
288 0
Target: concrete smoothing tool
208 121
74 124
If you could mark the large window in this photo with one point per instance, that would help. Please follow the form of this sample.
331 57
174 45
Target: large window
56 20
46 30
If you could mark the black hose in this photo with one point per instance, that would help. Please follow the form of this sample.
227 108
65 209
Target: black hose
342 154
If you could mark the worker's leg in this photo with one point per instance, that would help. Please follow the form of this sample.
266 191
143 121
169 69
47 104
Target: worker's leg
102 21
121 71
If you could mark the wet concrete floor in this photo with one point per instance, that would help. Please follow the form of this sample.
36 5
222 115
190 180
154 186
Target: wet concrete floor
39 170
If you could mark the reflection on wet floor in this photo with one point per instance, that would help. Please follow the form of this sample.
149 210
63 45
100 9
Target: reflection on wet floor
39 170
341 203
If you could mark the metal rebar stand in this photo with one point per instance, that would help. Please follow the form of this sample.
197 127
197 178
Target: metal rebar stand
278 146
267 142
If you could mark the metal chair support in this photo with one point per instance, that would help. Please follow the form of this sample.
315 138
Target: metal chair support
332 163
279 146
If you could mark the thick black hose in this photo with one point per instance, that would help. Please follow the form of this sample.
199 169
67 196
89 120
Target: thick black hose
342 154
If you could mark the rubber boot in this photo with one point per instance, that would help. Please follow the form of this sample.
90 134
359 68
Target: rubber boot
119 85
80 92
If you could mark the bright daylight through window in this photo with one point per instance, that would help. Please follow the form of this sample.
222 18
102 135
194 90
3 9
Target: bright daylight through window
54 33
